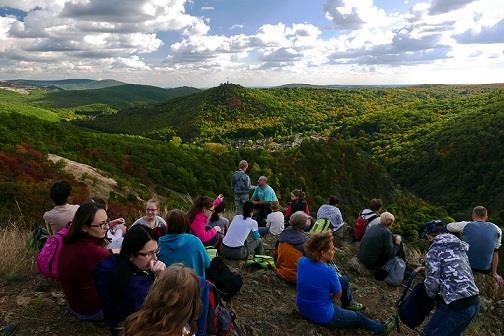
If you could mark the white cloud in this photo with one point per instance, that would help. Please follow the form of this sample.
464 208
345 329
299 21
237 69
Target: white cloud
207 8
236 26
492 34
444 6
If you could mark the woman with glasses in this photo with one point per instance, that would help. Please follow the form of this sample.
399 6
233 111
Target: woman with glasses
198 215
82 249
152 218
123 281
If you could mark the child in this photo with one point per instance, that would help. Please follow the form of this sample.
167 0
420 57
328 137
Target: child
274 221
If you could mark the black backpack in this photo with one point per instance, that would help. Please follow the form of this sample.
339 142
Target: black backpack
414 305
227 282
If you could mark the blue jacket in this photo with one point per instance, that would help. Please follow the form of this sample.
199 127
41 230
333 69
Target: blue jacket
186 249
117 309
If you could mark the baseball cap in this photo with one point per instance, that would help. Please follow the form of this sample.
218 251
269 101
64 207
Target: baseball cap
434 226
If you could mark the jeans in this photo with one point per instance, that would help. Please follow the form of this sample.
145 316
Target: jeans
343 318
447 321
346 293
91 317
264 230
239 200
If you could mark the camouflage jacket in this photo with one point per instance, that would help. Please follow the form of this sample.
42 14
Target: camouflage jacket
447 269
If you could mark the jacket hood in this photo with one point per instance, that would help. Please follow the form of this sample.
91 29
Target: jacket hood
449 241
174 241
292 237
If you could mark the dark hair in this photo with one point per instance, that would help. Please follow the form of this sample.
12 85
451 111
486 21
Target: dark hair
84 216
100 202
247 209
300 194
218 210
177 222
199 204
134 240
375 204
333 200
60 191
317 244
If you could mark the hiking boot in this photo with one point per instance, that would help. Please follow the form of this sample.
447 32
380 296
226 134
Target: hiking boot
389 325
355 306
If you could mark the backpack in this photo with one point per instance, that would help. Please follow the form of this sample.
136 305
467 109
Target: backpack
48 257
38 238
360 225
395 268
211 251
414 305
221 320
227 282
260 262
320 226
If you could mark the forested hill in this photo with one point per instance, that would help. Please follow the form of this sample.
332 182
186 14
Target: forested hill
68 84
119 97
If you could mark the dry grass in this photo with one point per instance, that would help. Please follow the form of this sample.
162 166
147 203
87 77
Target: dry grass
17 254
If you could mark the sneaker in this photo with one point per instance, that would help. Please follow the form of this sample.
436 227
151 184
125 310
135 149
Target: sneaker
355 306
389 325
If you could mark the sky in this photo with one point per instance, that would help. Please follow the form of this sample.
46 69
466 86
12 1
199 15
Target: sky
172 43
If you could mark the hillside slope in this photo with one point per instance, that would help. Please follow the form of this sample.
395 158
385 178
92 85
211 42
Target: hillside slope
69 84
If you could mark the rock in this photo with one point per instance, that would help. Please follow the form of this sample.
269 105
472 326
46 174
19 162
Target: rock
486 304
23 301
355 266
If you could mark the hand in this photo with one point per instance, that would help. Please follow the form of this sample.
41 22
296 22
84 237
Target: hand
121 227
117 221
217 229
420 269
157 266
498 279
221 197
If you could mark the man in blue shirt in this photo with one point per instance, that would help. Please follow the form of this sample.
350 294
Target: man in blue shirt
484 239
262 198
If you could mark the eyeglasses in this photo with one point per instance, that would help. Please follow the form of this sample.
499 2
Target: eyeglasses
149 254
150 210
102 225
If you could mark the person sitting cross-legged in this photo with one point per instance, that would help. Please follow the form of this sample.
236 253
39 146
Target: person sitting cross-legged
318 285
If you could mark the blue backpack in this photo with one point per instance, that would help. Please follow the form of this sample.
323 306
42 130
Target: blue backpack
414 305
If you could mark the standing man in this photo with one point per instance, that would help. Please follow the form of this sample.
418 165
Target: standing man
448 275
484 239
240 184
262 198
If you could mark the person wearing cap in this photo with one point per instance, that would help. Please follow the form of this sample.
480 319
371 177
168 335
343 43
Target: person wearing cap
449 276
240 184
262 197
484 239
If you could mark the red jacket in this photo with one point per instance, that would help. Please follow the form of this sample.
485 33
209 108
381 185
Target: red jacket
76 266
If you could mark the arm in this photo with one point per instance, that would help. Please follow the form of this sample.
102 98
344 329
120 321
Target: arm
388 245
307 210
198 228
288 211
432 274
456 226
335 285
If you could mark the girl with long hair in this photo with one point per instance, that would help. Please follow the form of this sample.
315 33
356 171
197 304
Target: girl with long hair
201 209
123 280
171 308
82 249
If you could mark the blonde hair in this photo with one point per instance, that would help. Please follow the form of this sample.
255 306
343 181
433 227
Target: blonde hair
243 164
153 201
318 244
387 219
172 304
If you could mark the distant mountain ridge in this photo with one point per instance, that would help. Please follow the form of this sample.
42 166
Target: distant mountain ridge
68 84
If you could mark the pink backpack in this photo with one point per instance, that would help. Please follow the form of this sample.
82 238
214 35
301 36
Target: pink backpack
48 258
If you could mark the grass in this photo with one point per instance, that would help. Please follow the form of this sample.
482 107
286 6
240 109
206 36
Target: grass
17 254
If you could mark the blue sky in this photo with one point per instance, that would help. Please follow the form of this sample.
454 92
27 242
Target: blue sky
254 42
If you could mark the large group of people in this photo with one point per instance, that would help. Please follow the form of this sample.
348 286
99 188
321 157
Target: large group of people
150 279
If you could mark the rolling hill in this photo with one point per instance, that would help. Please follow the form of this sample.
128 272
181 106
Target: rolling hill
68 84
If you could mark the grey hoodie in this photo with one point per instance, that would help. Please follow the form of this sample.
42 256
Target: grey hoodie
447 269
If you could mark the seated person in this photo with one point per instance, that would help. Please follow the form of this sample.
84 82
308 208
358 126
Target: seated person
378 245
63 212
318 285
274 221
173 306
235 244
291 246
151 218
484 239
262 197
330 211
201 209
82 249
298 204
179 246
123 280
216 219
